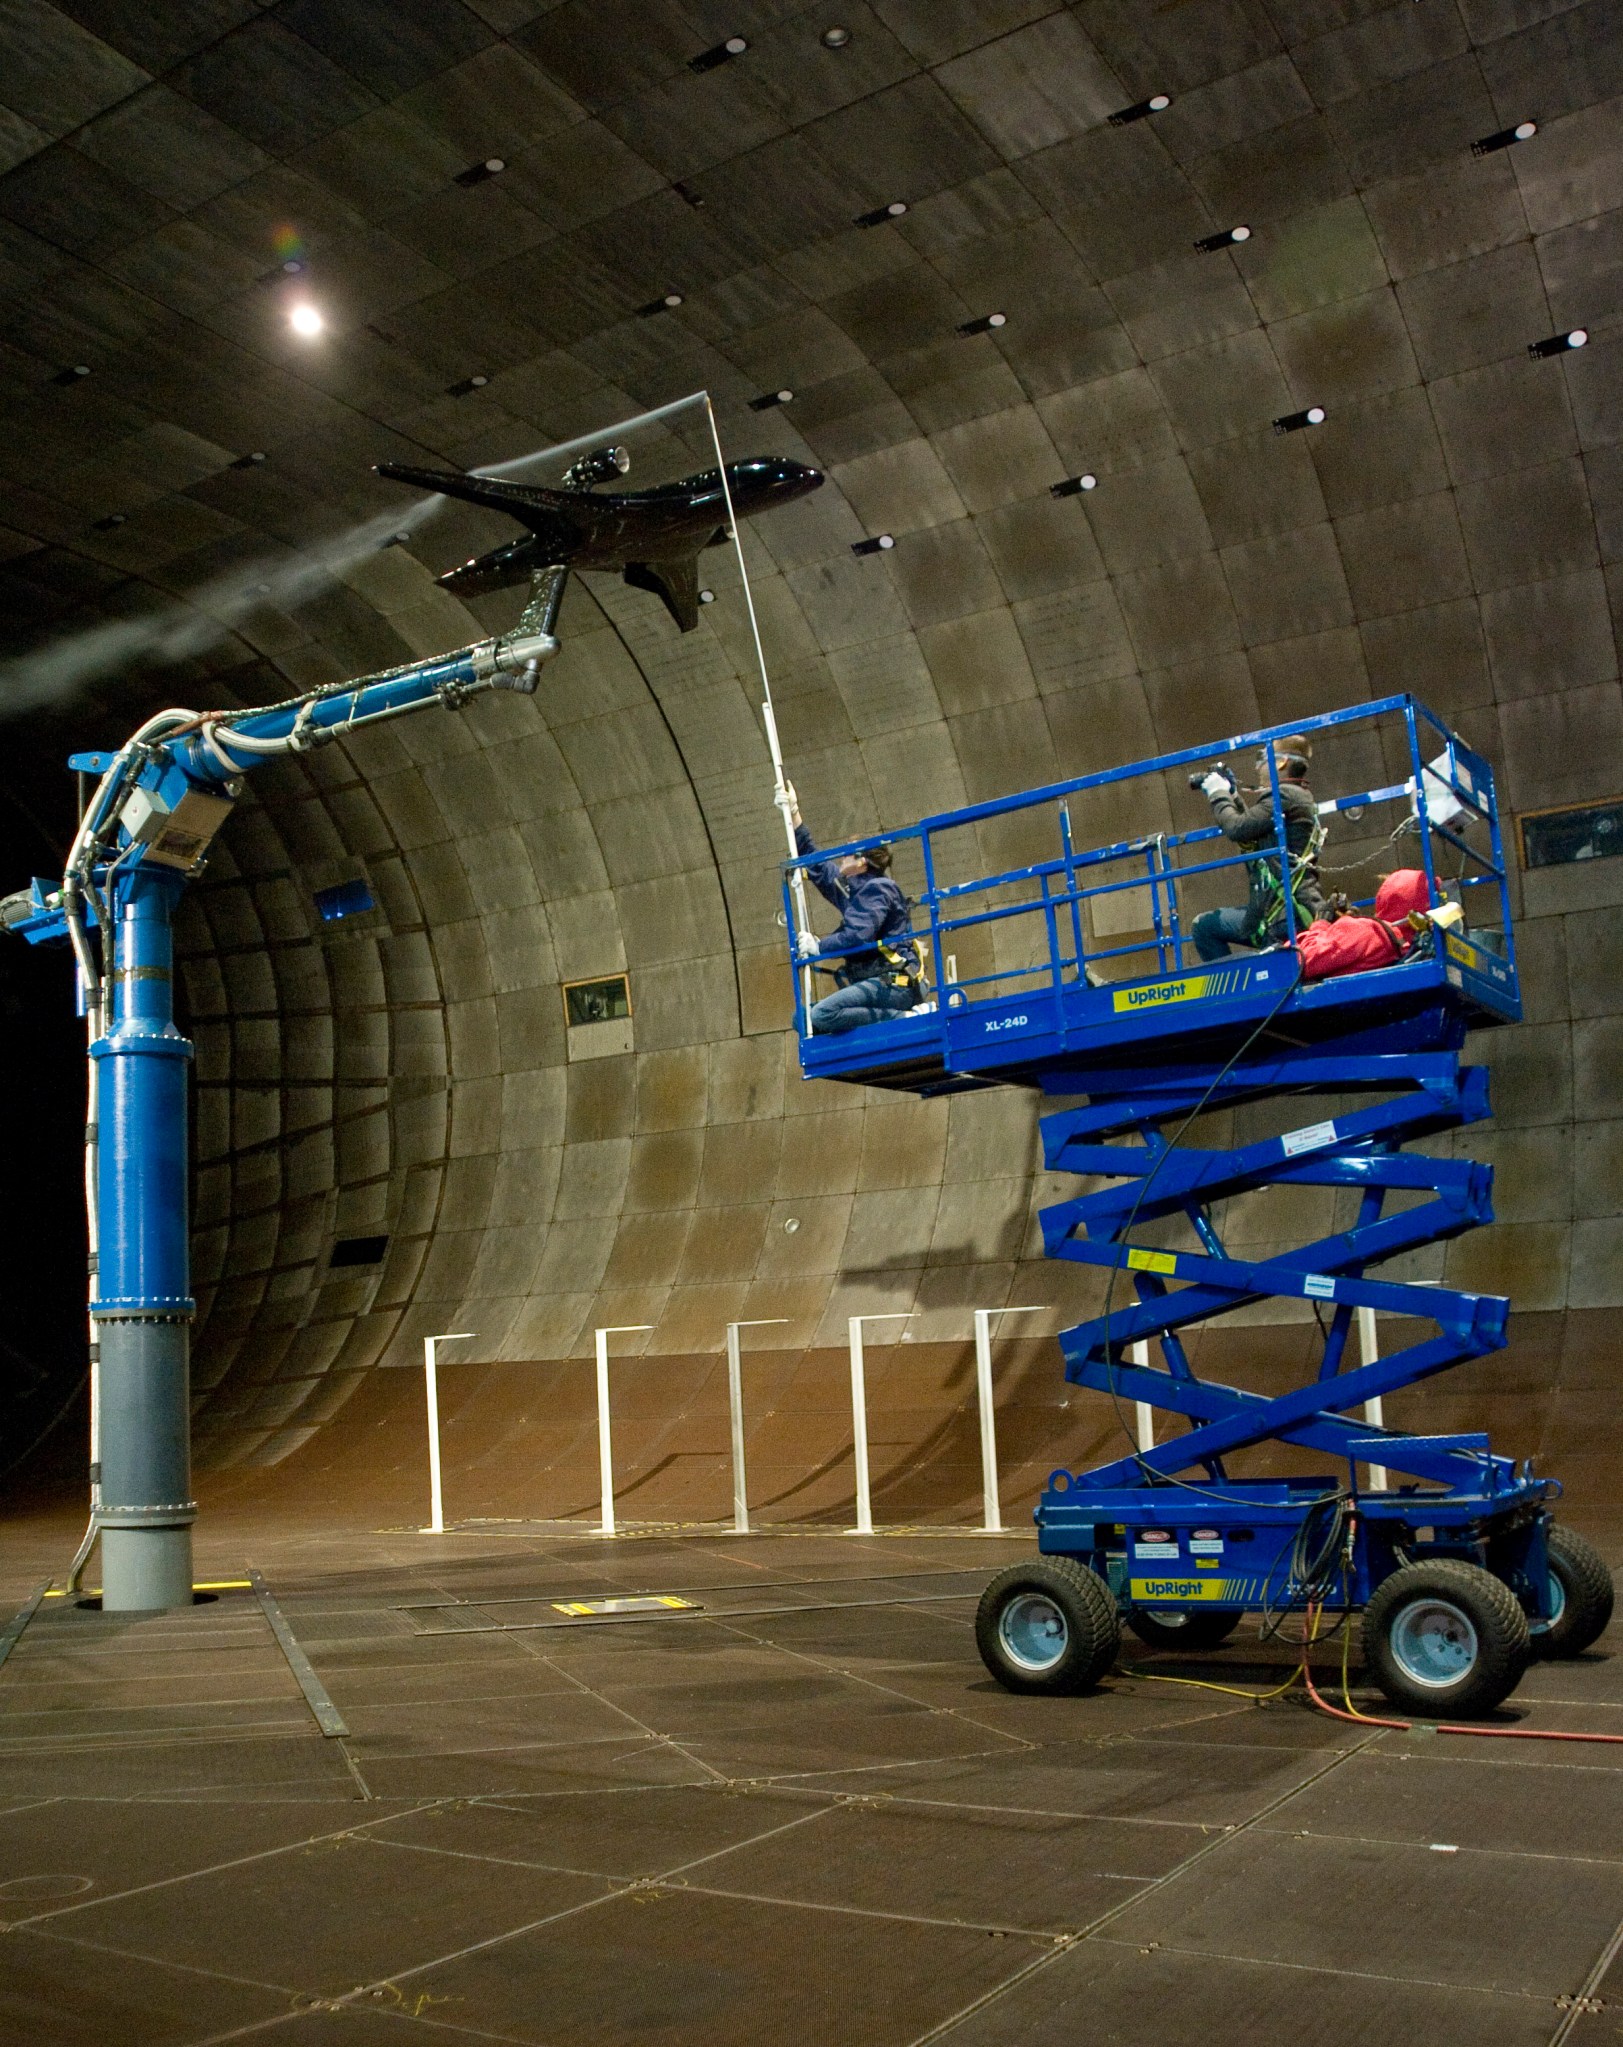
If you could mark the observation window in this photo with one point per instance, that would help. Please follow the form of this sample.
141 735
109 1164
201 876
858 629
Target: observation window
358 1251
590 1002
1552 838
344 899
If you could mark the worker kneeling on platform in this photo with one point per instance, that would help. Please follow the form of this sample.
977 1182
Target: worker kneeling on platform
878 967
1247 816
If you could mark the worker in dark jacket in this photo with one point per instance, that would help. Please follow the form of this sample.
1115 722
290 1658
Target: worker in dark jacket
1247 816
878 971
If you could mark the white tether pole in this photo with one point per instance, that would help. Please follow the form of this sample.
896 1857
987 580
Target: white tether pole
735 1409
779 781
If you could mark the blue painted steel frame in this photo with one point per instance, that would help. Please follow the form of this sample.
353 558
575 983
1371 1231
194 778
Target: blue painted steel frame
1047 1015
1153 1051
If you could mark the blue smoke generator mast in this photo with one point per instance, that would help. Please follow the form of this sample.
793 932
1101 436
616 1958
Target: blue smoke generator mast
158 803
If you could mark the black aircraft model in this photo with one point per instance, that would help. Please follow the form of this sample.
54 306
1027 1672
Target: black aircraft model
654 536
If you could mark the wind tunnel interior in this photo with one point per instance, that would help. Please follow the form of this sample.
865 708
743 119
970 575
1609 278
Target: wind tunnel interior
491 1011
409 1071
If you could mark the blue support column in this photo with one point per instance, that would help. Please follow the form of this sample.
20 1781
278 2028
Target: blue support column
143 1307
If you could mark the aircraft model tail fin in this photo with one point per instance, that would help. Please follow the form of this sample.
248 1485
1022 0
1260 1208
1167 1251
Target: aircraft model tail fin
676 583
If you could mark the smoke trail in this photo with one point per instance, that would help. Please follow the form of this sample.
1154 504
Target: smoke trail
52 673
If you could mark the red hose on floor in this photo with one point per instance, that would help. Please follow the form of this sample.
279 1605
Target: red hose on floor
1442 1726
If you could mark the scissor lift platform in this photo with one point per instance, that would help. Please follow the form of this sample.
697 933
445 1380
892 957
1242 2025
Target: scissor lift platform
1083 984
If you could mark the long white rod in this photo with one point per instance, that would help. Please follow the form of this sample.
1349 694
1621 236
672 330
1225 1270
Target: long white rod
431 1393
605 1443
735 1411
768 716
859 1412
1369 1349
991 1505
605 1446
436 1490
859 1425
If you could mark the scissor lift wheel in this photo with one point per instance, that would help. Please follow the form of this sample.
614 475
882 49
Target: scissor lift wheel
1446 1639
1048 1625
1582 1596
1176 1627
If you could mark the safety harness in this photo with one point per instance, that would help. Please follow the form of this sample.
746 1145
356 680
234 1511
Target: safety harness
1270 896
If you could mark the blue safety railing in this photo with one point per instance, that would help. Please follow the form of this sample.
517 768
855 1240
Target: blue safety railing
1053 922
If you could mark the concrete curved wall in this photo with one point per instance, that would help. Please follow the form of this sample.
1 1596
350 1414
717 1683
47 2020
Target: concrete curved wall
1453 527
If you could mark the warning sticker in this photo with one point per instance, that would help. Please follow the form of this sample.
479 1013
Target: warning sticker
1161 1551
1309 1138
1319 1286
1151 1261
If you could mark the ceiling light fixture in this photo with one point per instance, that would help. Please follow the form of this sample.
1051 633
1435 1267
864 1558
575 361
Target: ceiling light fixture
707 596
72 374
107 525
1524 131
768 399
1293 422
1142 111
1073 484
306 321
836 38
722 53
881 214
1558 344
478 173
879 544
667 304
1225 238
687 192
248 461
987 324
467 387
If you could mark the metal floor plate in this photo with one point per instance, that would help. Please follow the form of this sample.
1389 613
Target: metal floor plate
797 1808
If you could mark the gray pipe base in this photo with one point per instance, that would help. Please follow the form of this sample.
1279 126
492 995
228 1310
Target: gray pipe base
145 1570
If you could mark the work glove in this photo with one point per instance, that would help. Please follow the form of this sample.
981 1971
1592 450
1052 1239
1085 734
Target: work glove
787 800
1217 783
807 946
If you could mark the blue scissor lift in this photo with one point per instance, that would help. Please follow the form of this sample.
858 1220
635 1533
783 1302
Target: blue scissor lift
1073 973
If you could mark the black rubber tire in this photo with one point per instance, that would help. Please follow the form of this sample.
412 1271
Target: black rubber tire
1182 1627
1069 1617
1490 1672
1586 1596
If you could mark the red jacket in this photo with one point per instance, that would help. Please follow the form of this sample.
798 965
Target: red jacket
1355 945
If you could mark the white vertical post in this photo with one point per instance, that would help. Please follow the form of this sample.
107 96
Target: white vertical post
1369 1349
991 1506
431 1387
1144 1414
735 1409
605 1446
859 1414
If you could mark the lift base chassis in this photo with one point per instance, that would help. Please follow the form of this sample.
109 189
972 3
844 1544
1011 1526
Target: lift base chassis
1228 1547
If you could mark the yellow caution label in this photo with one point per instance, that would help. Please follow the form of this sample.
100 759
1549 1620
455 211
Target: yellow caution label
1458 949
1151 1261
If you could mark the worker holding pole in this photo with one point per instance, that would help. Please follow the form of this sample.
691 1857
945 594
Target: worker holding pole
878 967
